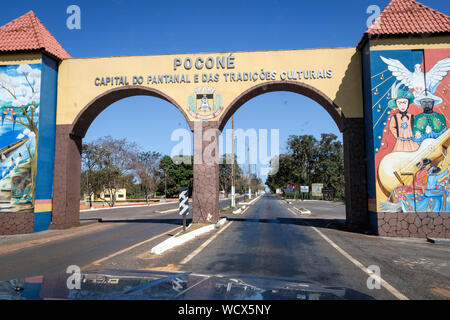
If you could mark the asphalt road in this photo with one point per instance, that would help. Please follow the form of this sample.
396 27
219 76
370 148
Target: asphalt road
124 227
269 239
138 212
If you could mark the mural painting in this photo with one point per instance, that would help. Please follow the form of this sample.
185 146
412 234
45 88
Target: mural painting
411 129
19 128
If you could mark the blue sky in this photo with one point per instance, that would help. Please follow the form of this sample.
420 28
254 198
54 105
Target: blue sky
136 27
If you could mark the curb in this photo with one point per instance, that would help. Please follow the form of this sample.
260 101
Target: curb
251 202
176 241
438 240
84 222
245 205
307 212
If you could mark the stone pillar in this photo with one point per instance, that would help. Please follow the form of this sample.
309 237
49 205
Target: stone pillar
66 181
355 175
206 172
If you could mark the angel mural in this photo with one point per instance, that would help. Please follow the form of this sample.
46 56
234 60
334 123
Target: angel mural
417 80
413 174
19 132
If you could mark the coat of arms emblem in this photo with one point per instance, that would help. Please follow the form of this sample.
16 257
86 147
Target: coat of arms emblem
205 103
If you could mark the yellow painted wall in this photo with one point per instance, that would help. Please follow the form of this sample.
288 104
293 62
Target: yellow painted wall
409 43
21 58
76 83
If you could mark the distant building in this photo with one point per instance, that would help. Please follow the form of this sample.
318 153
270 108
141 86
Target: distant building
120 195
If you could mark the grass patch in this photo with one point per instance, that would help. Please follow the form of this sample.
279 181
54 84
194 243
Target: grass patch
228 210
193 227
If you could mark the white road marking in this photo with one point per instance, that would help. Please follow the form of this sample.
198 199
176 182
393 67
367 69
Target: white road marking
203 246
384 283
130 248
168 211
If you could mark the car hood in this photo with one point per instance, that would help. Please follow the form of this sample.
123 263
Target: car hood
159 285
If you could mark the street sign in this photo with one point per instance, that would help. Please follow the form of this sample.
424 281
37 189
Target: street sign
317 189
183 208
328 193
304 189
183 201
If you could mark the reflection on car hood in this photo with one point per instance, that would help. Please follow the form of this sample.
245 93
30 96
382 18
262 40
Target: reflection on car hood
159 285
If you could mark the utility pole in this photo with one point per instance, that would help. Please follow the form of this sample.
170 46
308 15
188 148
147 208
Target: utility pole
233 200
165 185
249 174
87 189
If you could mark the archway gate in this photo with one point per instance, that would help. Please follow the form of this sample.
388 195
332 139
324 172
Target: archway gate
207 89
359 88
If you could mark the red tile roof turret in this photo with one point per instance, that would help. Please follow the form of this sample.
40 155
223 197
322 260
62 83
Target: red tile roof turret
27 33
408 17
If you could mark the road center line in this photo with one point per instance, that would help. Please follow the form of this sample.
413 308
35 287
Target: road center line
384 283
203 246
130 248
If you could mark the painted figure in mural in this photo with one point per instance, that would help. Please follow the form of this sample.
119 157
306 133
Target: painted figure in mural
402 122
428 124
433 199
433 190
419 183
419 179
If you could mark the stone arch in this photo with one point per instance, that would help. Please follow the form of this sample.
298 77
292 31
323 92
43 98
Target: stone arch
68 143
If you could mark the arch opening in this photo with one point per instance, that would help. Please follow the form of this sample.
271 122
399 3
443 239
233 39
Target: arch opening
68 151
289 86
90 112
353 136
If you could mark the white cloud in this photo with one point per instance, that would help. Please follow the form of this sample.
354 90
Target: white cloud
24 68
36 97
35 74
4 78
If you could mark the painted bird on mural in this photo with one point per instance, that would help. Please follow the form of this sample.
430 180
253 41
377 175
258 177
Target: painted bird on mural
417 80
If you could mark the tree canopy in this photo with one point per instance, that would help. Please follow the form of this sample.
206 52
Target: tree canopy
309 161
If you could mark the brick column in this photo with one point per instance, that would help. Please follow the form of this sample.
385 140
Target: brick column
206 172
355 174
66 181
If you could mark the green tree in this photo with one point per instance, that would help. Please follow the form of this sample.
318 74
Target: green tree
175 174
303 150
310 161
329 168
284 175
